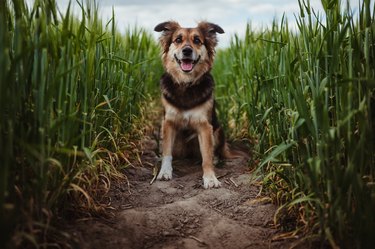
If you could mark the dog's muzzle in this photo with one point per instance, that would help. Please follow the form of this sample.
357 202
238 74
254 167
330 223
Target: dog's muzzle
187 63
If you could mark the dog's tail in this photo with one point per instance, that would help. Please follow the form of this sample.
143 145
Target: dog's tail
227 152
224 150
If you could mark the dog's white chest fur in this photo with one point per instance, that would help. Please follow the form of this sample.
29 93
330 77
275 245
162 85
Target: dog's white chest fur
187 118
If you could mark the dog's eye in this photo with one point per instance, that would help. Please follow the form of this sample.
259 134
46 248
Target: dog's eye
197 41
178 40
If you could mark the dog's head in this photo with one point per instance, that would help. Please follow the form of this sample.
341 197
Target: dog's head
188 53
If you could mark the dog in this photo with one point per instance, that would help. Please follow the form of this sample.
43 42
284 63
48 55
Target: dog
187 95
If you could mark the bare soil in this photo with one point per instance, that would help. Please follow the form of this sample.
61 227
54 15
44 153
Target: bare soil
181 214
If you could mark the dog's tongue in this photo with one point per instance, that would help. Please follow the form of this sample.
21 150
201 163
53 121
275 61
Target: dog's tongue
187 65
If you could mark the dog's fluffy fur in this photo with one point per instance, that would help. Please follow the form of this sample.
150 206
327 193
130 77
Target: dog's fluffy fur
187 87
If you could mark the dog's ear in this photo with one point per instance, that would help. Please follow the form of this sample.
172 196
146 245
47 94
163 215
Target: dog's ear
211 28
168 28
209 31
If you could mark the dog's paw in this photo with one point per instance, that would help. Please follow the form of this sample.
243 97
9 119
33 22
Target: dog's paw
166 169
211 181
165 174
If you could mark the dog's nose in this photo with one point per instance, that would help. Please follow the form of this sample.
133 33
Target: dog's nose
187 51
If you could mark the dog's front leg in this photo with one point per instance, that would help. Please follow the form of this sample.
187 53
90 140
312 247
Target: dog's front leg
169 135
206 145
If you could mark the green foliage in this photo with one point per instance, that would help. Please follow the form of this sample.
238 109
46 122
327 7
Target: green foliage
308 97
69 92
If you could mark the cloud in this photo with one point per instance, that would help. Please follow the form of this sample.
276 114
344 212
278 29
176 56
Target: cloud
231 15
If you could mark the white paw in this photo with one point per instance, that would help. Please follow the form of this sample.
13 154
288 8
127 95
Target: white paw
166 169
211 181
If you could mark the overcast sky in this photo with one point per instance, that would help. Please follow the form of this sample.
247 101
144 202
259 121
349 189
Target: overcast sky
231 15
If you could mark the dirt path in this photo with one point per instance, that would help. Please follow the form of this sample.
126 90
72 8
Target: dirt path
181 214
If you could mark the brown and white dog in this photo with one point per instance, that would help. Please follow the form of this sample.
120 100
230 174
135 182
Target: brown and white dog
188 99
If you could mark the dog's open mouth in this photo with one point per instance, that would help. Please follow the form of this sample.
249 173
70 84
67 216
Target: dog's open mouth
187 64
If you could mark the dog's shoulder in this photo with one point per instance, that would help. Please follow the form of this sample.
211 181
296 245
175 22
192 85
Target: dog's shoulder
187 96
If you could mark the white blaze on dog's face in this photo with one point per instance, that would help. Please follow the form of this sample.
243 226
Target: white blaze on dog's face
188 52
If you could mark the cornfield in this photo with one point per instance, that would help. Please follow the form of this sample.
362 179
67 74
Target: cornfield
71 95
307 98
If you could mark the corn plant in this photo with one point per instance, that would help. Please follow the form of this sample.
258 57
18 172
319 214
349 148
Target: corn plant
70 92
308 98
